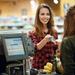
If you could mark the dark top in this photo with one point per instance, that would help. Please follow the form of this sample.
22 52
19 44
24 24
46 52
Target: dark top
44 55
68 55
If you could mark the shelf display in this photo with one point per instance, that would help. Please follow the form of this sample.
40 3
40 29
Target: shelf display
13 24
59 21
29 22
11 21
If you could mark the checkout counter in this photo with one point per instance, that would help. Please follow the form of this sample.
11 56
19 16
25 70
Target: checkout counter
16 47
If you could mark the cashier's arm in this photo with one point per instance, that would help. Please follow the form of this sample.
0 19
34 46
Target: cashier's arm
43 42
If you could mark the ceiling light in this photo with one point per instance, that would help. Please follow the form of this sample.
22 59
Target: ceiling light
56 1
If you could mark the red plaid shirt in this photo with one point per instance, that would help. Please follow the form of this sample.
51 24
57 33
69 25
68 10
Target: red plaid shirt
44 55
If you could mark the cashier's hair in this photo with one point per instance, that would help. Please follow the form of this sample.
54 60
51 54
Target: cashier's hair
38 25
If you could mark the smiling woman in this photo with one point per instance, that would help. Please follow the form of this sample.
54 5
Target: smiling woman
43 31
44 16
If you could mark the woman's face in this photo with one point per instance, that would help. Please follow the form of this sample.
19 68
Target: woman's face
44 16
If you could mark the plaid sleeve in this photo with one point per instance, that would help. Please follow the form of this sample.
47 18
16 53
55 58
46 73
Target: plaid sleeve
33 37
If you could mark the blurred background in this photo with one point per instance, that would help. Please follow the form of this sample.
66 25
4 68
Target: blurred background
20 14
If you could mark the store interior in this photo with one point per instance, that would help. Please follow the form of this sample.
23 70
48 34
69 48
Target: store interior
17 17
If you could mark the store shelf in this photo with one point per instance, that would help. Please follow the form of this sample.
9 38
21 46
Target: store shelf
59 21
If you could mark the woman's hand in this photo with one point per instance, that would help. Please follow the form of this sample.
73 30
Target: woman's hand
47 37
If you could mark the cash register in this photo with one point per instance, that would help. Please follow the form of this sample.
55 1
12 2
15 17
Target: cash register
17 47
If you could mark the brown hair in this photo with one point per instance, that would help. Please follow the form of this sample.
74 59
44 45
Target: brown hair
38 25
69 22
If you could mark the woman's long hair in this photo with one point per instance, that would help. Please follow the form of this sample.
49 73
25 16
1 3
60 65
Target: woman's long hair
38 25
69 22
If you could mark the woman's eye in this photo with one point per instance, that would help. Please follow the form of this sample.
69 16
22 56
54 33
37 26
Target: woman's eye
42 14
48 14
45 14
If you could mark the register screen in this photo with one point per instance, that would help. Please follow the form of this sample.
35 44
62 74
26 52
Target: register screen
14 46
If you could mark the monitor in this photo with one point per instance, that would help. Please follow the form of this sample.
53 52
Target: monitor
14 46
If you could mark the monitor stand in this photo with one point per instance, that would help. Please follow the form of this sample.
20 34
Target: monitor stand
17 68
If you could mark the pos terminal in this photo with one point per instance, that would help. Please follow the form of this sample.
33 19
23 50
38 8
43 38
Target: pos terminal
16 48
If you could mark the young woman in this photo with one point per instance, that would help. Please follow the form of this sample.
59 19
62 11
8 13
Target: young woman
42 35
